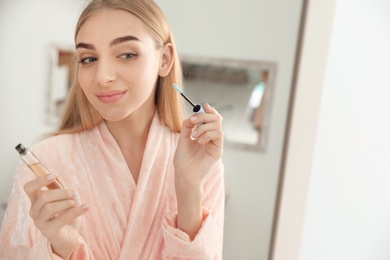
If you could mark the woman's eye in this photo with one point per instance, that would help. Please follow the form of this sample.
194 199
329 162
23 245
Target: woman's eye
87 60
127 56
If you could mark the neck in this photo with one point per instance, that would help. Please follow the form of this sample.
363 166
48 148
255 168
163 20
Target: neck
132 132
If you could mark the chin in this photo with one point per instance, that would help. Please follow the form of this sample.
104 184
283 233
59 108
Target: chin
114 116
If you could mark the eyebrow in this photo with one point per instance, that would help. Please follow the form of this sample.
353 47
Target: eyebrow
116 41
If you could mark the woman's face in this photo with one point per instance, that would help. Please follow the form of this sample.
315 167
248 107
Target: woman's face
118 64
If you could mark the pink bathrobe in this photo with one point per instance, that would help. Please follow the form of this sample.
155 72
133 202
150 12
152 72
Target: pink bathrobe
125 220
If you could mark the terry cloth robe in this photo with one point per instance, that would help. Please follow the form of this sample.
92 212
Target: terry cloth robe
125 220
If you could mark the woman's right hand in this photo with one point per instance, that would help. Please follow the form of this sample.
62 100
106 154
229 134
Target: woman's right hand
56 214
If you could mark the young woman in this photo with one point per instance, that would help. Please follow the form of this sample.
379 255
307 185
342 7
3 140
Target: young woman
141 182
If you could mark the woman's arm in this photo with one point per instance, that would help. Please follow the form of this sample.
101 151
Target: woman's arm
207 242
20 238
198 166
56 214
199 148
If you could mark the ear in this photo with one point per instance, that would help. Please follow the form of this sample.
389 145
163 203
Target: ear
166 62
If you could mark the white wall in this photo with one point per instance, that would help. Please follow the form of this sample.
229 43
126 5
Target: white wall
248 29
26 29
303 128
348 209
347 204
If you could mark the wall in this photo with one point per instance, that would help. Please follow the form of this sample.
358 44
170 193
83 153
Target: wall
249 29
341 191
347 214
26 29
303 128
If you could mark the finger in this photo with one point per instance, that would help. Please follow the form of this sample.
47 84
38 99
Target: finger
65 218
50 196
197 120
61 182
204 128
211 110
206 117
52 210
32 188
188 125
212 136
201 129
209 132
55 184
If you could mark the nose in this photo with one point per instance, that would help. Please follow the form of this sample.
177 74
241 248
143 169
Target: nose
105 73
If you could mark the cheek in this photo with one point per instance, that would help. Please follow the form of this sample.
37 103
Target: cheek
84 80
148 72
142 76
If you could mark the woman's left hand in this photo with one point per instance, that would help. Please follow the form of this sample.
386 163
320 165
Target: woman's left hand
195 156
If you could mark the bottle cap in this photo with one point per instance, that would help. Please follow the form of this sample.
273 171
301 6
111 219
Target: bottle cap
198 109
21 149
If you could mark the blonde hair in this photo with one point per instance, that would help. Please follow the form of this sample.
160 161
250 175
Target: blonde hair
79 115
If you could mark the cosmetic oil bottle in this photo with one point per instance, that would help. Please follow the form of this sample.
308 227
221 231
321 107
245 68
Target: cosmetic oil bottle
35 165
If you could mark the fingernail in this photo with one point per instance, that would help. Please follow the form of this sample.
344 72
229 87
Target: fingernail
76 197
74 193
193 118
50 177
194 133
200 140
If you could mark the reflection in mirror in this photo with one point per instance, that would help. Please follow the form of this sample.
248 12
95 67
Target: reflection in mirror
240 90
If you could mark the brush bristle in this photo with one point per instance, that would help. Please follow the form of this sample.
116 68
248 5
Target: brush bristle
177 88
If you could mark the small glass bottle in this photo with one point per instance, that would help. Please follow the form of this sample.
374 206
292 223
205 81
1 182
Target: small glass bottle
35 165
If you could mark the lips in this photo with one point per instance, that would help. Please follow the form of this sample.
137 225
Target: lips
111 96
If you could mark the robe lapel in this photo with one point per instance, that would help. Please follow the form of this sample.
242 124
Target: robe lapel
148 205
112 186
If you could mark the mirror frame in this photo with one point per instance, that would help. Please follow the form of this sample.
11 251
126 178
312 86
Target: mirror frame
287 133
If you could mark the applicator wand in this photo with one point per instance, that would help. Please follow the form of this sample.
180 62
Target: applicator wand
196 108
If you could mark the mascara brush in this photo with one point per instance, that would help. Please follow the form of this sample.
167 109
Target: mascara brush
196 108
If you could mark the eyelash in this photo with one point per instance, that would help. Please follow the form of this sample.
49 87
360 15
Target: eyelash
132 55
85 60
88 60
